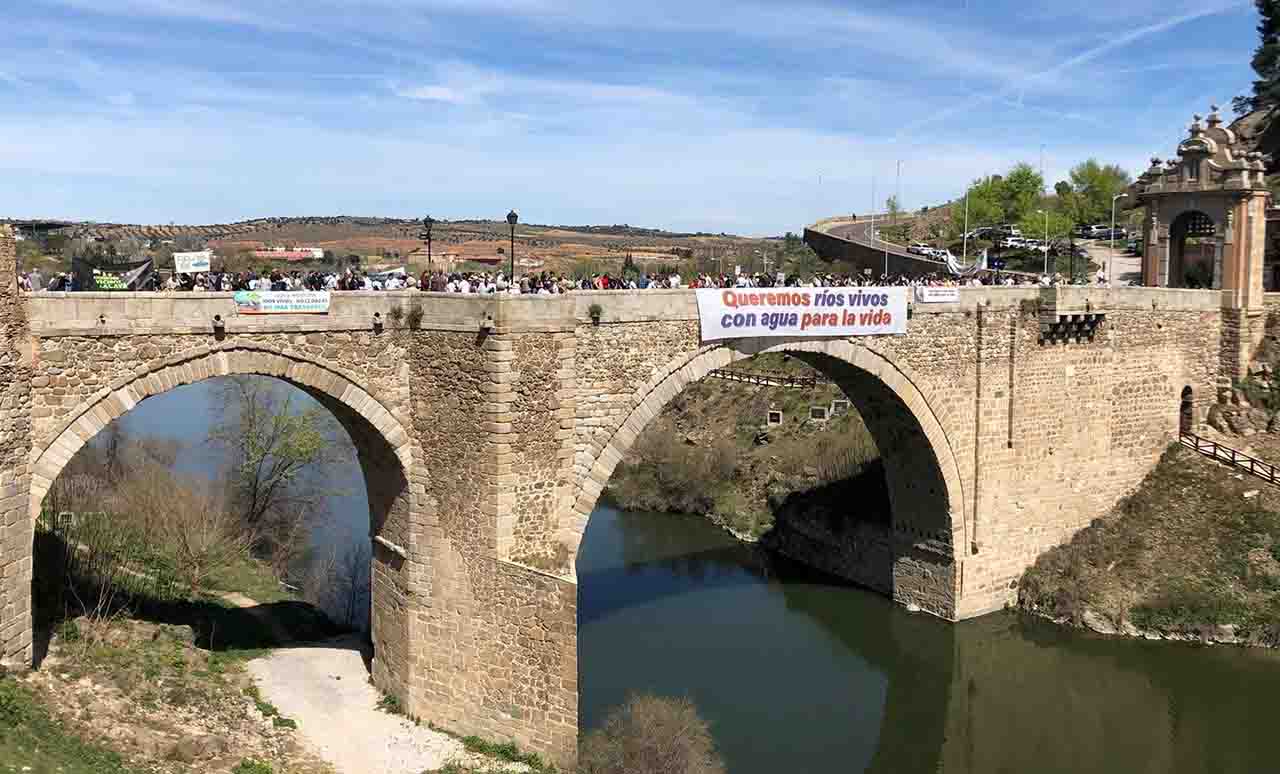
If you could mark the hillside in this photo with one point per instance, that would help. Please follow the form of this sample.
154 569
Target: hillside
711 452
551 247
1193 554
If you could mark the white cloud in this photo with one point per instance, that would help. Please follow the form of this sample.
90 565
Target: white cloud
433 94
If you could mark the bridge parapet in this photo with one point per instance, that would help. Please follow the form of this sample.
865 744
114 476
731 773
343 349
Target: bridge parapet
113 314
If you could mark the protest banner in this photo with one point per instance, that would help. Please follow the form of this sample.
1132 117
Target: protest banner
282 302
937 295
734 313
192 263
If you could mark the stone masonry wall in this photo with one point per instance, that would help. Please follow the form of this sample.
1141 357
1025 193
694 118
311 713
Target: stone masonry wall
495 643
15 441
507 432
1046 436
70 369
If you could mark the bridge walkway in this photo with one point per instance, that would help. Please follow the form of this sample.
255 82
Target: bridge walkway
769 378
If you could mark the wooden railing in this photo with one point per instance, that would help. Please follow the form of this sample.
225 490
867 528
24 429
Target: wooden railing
1236 459
769 378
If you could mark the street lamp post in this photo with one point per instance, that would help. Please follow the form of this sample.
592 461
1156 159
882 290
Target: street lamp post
1111 258
1046 239
426 234
512 219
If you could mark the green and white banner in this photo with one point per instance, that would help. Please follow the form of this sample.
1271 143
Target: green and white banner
282 302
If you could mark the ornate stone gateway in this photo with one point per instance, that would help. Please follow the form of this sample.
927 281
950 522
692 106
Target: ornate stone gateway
1206 226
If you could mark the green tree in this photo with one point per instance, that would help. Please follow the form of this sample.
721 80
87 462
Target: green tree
629 269
895 231
984 206
1020 190
1093 184
802 263
1266 61
1033 223
275 453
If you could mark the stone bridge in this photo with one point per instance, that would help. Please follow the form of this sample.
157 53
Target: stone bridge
487 431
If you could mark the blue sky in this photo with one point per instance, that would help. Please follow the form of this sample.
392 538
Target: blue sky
751 118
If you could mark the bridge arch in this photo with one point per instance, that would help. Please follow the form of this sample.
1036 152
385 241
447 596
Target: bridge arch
926 490
383 449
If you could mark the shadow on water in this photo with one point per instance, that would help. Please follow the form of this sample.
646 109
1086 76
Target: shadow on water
796 669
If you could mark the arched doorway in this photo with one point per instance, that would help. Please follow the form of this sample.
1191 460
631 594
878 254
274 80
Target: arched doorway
1192 250
1187 412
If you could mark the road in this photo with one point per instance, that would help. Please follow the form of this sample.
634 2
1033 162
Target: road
1124 268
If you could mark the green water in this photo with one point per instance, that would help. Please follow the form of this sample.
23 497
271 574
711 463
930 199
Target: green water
798 673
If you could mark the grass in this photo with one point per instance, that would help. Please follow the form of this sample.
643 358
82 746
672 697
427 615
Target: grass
391 705
1186 553
250 577
32 740
506 752
251 766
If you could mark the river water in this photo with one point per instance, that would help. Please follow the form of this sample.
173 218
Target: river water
797 672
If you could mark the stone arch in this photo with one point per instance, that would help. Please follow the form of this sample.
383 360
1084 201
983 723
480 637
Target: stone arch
921 467
383 448
1192 223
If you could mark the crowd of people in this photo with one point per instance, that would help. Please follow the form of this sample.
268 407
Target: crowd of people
542 283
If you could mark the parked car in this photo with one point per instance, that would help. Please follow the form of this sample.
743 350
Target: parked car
1099 231
1010 229
919 248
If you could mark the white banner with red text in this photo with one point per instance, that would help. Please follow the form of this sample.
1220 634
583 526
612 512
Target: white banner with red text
738 313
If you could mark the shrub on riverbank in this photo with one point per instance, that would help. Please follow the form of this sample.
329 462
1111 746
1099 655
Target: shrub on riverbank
1195 551
651 735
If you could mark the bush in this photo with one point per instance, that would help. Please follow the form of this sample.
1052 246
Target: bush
414 318
651 735
15 705
251 766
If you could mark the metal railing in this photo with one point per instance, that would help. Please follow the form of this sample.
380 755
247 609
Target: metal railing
769 378
1236 459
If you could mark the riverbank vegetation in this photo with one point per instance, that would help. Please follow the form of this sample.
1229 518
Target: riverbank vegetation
241 523
1194 553
711 452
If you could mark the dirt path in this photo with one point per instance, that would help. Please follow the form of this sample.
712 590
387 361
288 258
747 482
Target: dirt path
325 688
261 614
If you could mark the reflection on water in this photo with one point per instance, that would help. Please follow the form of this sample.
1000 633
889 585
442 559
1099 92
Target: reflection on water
797 672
